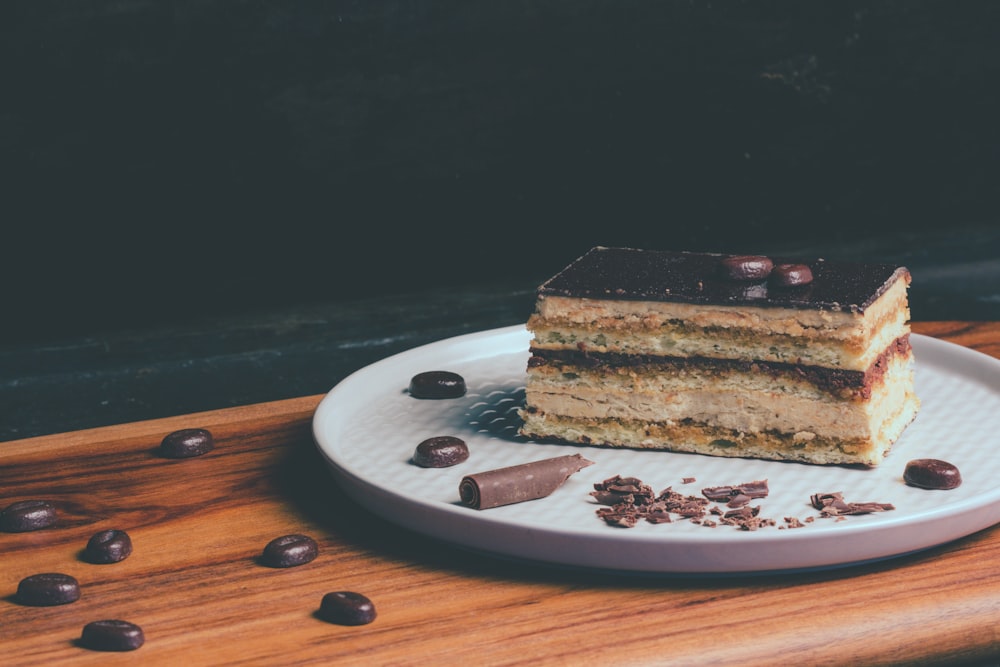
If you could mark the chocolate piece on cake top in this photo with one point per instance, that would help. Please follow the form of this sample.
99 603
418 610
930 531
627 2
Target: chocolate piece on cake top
656 275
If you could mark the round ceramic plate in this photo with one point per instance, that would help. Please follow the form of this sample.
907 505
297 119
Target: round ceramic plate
368 426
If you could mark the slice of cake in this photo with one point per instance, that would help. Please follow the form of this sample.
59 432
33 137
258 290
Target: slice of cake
722 355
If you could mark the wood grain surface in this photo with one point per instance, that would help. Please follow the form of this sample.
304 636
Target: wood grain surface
196 587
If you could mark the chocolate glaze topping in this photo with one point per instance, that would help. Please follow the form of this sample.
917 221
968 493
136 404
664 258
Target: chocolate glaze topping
653 275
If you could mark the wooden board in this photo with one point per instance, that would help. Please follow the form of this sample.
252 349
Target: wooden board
194 584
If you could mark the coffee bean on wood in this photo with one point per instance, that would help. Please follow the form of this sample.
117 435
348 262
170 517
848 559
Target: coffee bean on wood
347 608
187 443
108 546
48 589
27 515
290 551
112 635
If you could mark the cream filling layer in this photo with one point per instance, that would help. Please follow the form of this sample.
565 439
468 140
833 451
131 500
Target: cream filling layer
672 378
744 404
702 439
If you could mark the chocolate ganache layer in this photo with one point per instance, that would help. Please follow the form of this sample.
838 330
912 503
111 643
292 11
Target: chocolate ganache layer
655 275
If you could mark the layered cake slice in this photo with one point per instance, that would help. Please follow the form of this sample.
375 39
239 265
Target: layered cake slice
722 355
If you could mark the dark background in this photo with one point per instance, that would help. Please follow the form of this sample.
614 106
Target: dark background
163 160
167 164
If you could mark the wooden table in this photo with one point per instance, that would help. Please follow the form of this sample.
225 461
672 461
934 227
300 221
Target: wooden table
195 586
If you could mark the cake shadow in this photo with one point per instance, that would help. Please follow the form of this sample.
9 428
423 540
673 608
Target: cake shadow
498 414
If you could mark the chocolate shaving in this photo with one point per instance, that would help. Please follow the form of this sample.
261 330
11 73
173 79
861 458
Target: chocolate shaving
625 516
659 515
821 500
834 505
868 508
618 489
742 513
632 501
746 518
627 485
722 494
738 500
610 498
688 509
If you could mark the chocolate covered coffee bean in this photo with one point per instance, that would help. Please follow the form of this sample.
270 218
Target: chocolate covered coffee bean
790 275
27 515
186 443
108 546
290 551
440 452
932 474
48 589
437 384
746 267
347 608
112 635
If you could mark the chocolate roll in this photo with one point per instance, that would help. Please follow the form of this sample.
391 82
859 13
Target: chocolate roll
515 484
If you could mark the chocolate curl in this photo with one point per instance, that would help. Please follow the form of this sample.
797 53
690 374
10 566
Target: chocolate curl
516 484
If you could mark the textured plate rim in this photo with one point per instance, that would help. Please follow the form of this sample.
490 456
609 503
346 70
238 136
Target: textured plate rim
574 547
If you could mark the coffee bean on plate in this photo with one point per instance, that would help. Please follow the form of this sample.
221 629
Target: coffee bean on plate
186 443
48 589
347 608
289 551
112 635
27 515
437 384
932 474
746 267
790 275
440 452
108 546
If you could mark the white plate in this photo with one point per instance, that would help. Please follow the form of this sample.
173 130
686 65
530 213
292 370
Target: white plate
368 426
